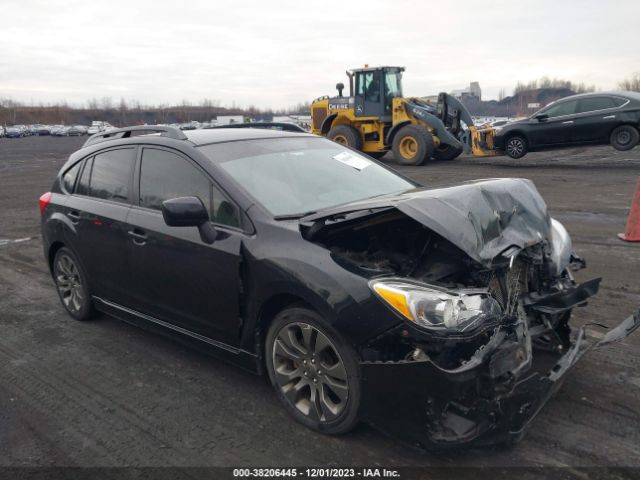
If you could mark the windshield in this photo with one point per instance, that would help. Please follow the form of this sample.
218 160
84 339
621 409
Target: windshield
293 176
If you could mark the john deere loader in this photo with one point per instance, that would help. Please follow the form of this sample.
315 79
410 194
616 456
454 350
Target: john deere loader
376 118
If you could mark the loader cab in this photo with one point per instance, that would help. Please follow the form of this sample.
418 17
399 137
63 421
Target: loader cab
375 88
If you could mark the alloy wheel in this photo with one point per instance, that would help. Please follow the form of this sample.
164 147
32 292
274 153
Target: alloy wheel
309 372
69 283
515 147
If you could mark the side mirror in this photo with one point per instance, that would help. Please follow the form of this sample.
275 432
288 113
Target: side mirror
340 87
189 212
542 117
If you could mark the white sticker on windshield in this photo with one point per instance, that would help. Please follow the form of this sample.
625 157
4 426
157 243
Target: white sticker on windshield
352 160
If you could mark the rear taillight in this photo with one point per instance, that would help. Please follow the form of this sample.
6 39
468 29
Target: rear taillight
45 199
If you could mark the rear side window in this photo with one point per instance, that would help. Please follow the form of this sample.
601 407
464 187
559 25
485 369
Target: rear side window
111 173
69 178
83 184
619 101
595 103
107 175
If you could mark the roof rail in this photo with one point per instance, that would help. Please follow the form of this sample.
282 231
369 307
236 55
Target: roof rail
284 126
125 132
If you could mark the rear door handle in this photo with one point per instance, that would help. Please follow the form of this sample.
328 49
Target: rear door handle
138 236
74 216
568 122
609 117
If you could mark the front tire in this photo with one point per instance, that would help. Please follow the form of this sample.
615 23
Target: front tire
624 137
516 146
314 371
346 135
412 145
72 285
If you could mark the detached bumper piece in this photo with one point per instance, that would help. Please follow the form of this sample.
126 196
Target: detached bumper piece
562 301
476 403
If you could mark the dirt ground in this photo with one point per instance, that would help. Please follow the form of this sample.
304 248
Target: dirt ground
105 393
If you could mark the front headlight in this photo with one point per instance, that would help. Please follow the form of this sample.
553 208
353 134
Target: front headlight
437 309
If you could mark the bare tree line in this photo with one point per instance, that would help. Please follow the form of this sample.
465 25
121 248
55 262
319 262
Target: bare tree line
546 82
631 84
127 112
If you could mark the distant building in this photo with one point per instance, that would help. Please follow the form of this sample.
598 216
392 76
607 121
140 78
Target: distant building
474 87
228 119
472 91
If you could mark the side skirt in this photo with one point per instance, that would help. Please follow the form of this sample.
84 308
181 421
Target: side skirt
236 356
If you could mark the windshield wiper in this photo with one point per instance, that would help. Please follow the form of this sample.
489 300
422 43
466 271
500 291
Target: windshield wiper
294 216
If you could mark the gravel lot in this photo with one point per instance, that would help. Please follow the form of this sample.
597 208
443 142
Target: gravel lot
107 394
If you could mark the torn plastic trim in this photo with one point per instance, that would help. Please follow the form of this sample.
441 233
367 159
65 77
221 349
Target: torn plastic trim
562 301
626 328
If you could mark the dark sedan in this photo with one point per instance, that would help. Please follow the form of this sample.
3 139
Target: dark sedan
13 132
591 118
442 316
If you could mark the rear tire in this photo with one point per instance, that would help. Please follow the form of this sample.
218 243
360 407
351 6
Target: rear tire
516 146
72 285
446 152
314 372
346 135
412 145
624 137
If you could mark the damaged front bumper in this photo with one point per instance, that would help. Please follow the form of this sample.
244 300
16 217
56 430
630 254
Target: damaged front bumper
432 407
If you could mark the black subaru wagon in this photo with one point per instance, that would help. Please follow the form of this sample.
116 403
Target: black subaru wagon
433 314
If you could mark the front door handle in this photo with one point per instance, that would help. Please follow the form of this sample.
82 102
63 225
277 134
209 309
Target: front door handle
568 122
609 117
138 236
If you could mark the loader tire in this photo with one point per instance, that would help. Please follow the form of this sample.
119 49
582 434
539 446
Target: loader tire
346 135
446 152
412 145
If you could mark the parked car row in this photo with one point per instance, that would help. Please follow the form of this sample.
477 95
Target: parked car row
19 131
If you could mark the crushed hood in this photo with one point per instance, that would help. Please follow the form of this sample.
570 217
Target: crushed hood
483 218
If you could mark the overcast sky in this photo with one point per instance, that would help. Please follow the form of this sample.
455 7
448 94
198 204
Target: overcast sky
272 53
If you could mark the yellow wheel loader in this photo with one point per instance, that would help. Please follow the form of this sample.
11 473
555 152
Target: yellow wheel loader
376 118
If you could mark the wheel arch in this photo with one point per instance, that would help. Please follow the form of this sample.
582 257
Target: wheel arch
51 254
516 133
336 119
623 123
268 311
327 123
394 130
